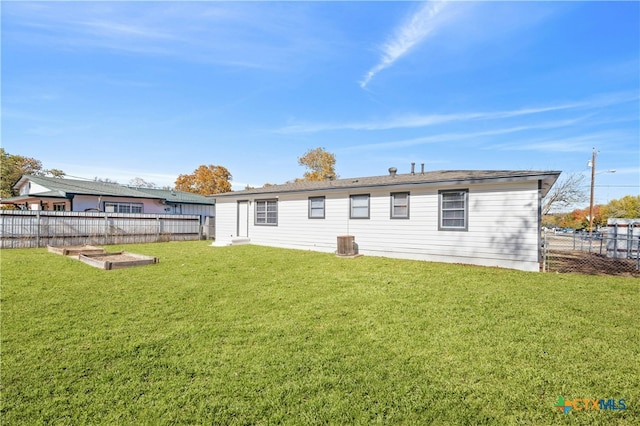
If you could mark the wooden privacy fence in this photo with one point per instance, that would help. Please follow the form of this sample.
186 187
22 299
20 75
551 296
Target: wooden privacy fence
22 229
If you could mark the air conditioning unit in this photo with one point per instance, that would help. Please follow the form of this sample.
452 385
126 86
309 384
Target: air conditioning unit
346 245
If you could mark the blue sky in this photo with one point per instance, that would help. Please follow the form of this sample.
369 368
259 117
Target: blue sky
154 89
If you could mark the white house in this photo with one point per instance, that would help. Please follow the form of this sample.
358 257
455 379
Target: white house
61 194
489 218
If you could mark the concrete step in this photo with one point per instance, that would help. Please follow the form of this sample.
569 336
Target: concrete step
240 240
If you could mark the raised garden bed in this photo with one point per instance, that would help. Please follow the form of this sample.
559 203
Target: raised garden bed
117 260
76 250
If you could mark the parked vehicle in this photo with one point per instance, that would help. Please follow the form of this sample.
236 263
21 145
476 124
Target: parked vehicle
595 235
564 231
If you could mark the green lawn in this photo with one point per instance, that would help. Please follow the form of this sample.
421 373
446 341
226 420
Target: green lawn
257 335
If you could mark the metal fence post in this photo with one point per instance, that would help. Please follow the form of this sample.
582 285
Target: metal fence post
601 241
638 255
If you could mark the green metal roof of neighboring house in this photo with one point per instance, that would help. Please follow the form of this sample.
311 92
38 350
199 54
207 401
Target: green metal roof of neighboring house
182 197
62 187
68 187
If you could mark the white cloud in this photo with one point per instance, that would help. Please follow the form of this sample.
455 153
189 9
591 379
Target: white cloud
635 171
234 34
574 143
468 136
426 120
417 28
411 121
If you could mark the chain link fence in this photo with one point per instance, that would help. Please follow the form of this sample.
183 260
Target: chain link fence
599 253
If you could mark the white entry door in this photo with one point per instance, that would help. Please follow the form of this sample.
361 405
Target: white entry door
243 218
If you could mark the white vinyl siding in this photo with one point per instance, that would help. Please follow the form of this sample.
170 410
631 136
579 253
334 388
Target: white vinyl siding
316 207
360 206
266 212
502 225
400 205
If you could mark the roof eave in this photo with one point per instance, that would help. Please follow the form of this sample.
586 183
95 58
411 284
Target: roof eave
547 177
190 202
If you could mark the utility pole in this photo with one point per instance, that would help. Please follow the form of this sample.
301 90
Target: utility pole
593 177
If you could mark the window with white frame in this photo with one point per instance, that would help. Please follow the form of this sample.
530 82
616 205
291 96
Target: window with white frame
123 207
359 206
399 205
266 212
59 207
454 210
316 207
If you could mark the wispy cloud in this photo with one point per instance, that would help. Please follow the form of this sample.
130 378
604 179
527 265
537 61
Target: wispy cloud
635 171
411 33
231 34
425 120
574 143
415 120
122 29
463 136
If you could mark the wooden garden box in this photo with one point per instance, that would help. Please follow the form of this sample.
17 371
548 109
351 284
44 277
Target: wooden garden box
117 260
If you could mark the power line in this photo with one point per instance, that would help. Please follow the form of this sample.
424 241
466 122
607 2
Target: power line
612 186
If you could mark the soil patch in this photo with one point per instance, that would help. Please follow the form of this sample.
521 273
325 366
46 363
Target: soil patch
117 260
580 262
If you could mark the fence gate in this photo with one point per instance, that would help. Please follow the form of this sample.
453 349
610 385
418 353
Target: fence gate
624 238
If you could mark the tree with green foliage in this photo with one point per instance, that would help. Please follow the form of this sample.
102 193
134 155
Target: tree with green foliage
627 207
14 166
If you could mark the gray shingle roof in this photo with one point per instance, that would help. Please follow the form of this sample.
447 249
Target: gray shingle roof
452 177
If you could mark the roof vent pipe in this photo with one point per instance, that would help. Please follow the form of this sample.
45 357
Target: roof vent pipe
413 168
422 168
393 171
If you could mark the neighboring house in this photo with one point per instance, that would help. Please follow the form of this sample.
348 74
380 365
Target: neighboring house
49 193
487 218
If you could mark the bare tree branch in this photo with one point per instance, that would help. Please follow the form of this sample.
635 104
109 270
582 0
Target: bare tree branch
565 192
138 182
